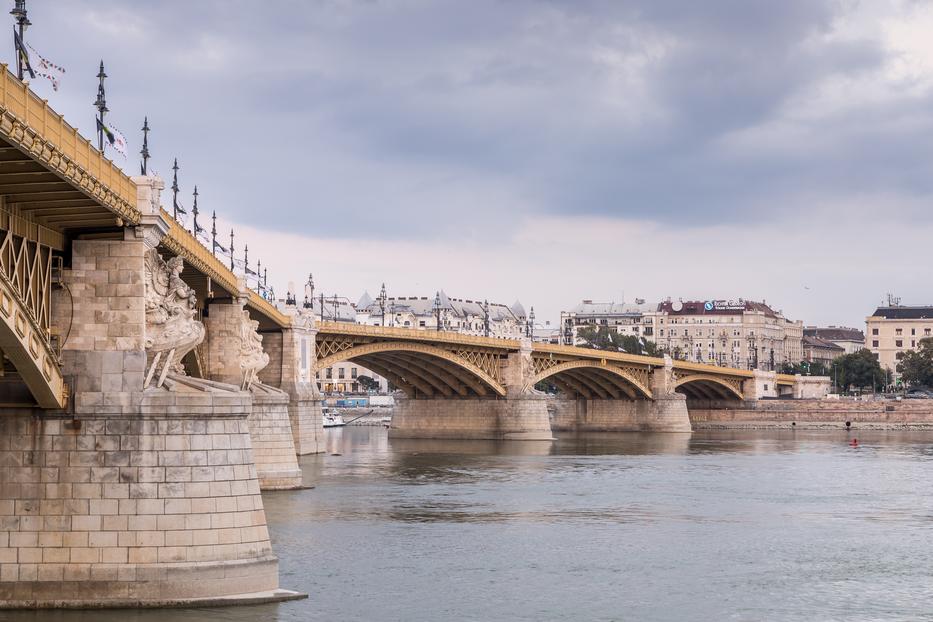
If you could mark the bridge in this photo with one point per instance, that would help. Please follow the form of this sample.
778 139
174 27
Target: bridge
464 386
147 395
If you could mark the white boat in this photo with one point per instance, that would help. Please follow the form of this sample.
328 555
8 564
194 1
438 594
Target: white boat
333 419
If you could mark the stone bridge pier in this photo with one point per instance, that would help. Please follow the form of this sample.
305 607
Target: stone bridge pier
524 413
664 411
520 414
234 354
291 353
144 492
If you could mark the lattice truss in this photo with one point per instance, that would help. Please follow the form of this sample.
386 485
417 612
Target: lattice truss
26 266
25 308
686 378
592 378
420 368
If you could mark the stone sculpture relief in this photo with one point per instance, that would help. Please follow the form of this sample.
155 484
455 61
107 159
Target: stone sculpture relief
252 357
171 330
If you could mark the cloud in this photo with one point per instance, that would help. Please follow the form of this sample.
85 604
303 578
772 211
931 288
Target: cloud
458 130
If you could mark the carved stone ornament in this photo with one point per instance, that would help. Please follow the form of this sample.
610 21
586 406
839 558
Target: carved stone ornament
252 357
171 330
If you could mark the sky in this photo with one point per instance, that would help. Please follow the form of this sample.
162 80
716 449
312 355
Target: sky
546 151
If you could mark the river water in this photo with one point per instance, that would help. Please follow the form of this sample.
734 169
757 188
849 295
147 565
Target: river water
763 525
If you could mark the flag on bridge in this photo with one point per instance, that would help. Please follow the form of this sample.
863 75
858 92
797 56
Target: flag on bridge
23 54
113 136
45 68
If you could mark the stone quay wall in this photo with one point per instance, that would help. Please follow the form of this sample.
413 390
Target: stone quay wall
878 413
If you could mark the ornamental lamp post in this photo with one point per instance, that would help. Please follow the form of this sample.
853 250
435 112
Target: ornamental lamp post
22 22
437 310
309 291
101 105
485 318
144 165
382 303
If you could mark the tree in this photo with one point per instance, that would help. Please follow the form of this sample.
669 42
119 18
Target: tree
805 368
601 338
860 369
368 383
916 368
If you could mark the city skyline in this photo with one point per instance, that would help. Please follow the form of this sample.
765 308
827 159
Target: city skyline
406 144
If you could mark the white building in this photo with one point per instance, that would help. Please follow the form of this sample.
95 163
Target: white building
741 333
455 315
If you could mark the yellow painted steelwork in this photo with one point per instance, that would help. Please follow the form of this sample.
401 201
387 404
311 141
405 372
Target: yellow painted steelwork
27 122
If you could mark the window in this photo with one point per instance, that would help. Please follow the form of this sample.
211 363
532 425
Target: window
353 372
421 323
341 372
913 343
407 323
899 343
874 343
898 355
330 373
874 331
661 332
913 331
926 332
898 331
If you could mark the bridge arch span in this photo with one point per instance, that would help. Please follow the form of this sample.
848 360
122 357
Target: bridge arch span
421 370
707 386
597 380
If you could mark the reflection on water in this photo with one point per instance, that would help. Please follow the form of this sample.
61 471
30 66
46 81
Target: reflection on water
718 525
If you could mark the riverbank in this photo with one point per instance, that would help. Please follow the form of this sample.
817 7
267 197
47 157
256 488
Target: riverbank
812 414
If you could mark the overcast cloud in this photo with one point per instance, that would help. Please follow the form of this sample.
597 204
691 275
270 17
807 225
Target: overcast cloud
546 151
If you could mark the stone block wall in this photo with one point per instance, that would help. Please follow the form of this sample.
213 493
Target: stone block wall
273 443
100 315
891 413
285 372
662 415
109 510
523 418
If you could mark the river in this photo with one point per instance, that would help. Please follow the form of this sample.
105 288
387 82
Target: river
719 525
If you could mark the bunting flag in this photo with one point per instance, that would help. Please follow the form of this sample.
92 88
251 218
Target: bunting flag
223 250
47 69
201 234
251 273
181 208
114 137
23 54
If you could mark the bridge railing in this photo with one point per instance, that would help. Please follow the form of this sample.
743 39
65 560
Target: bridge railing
349 328
47 136
180 241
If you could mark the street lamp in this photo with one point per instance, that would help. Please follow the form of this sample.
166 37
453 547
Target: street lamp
382 304
309 292
19 16
437 310
486 318
530 329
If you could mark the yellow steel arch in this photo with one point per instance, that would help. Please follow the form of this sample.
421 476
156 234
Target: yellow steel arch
24 343
709 378
419 348
620 372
